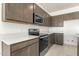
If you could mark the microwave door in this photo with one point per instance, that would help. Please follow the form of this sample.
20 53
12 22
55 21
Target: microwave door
38 19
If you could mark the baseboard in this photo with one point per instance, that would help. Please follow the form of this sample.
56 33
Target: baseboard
71 45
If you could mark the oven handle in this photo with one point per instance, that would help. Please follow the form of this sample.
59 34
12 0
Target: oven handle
44 37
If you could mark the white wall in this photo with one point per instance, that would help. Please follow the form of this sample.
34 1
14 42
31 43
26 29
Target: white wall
71 29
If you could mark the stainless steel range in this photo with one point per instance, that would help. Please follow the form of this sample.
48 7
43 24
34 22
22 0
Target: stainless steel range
43 40
43 44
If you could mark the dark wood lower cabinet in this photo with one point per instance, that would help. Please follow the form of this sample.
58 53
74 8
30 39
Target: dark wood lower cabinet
21 52
32 50
58 38
78 46
51 40
26 48
55 38
30 47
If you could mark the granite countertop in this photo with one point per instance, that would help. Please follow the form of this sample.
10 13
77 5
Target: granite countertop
16 38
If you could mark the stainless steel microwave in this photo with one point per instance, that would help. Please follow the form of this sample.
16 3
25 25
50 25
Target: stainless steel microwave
37 19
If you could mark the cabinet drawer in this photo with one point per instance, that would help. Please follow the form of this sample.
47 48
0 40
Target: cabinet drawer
23 44
21 52
32 50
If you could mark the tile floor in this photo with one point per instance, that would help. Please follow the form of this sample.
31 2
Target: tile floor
65 50
58 50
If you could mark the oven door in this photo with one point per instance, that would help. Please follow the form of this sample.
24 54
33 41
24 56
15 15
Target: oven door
43 43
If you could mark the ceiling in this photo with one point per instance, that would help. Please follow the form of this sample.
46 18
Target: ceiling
52 7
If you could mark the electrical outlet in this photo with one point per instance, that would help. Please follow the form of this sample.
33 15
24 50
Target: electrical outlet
72 41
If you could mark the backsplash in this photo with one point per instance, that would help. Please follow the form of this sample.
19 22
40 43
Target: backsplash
6 27
56 29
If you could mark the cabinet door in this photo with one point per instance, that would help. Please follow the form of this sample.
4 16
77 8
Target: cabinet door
39 11
57 21
33 49
60 22
60 41
28 12
59 38
54 21
71 16
51 40
14 11
75 15
47 21
9 11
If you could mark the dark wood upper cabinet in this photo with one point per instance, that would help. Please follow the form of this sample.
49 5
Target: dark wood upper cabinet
8 13
46 17
47 21
57 21
39 11
19 12
28 12
71 16
24 12
14 11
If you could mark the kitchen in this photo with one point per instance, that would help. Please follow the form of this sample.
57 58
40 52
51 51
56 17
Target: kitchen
32 31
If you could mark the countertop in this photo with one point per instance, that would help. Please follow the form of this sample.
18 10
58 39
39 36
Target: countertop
15 38
12 38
